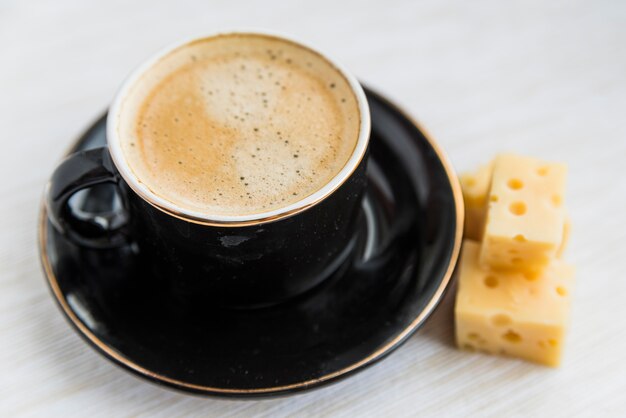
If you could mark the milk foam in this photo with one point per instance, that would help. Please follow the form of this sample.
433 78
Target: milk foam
239 124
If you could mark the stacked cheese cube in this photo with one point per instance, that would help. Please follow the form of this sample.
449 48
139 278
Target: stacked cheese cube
514 289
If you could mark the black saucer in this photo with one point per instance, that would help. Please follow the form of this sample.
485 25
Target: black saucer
409 242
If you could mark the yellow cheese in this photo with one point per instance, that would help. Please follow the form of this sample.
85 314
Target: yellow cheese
513 313
525 215
567 229
475 190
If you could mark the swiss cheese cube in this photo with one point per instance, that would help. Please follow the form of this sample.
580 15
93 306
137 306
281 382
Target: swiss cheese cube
512 313
475 190
526 217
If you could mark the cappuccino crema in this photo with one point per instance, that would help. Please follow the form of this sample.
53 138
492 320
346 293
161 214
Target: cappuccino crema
238 124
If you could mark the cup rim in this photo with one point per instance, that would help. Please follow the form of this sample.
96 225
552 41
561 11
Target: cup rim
170 208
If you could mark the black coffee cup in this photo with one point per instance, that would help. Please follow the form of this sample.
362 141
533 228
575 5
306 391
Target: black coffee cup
239 261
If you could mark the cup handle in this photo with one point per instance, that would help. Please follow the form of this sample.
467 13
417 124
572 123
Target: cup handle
83 170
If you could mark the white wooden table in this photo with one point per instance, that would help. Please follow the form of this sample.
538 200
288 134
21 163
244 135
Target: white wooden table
545 78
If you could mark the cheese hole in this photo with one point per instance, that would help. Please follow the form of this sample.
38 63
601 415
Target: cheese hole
531 275
512 336
518 208
515 184
473 336
561 291
557 201
519 238
501 320
513 251
542 171
469 181
494 198
469 347
553 342
491 281
517 260
541 344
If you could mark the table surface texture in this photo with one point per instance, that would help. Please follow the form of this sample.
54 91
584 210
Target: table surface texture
542 78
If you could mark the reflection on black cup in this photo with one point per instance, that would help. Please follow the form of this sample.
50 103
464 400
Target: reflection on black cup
227 260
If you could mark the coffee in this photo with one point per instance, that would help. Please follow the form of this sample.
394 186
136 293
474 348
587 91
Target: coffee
239 124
